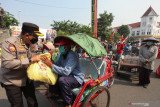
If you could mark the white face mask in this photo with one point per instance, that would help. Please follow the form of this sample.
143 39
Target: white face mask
149 43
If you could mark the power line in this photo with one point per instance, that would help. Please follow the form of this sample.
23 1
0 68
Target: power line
46 5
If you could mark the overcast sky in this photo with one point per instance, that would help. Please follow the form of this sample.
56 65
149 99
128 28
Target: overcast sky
43 12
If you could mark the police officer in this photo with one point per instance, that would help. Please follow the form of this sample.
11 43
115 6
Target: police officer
17 53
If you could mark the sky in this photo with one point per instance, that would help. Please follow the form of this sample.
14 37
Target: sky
43 12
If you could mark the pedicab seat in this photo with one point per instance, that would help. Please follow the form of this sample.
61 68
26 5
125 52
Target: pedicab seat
92 73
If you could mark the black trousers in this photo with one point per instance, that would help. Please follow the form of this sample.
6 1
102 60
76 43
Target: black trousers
63 86
14 95
144 75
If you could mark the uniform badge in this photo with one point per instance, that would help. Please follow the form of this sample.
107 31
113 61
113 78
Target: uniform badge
11 48
22 57
21 47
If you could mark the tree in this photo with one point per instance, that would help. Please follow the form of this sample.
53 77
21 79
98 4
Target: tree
116 37
9 20
123 30
69 27
104 22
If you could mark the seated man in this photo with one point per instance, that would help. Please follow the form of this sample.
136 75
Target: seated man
68 69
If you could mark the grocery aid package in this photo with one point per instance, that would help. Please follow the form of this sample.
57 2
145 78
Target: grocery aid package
41 72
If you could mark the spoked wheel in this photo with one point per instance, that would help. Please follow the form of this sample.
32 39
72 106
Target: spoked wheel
100 97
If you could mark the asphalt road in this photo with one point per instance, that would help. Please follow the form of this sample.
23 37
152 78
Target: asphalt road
127 94
123 93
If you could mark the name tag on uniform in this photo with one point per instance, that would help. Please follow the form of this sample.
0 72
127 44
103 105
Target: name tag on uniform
22 52
21 48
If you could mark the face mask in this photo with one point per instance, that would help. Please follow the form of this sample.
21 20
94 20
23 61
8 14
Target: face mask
149 43
62 50
34 40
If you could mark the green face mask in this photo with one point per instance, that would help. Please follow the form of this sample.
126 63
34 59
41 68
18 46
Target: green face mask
62 50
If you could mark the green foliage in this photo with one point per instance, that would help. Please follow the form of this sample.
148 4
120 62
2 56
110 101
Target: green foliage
69 27
62 33
104 22
116 37
9 20
108 36
123 30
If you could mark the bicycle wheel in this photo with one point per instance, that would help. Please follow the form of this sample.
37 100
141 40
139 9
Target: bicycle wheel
100 97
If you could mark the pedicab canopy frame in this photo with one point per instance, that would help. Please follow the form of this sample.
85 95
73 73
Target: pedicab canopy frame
91 45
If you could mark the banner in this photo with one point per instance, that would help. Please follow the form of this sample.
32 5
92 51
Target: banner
112 34
124 39
16 30
121 37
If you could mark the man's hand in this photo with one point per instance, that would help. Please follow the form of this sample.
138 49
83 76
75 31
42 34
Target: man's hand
35 58
46 61
146 61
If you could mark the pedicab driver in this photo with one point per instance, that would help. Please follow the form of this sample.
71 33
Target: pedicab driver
17 53
69 72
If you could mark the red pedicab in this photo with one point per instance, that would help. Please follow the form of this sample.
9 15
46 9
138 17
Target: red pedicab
98 73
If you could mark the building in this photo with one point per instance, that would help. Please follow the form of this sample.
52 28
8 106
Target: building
148 27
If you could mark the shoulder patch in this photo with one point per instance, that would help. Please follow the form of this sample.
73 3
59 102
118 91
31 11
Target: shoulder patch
11 48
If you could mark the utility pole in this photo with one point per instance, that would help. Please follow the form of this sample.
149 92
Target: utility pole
94 5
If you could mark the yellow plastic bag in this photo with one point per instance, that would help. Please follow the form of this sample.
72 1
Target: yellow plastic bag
41 72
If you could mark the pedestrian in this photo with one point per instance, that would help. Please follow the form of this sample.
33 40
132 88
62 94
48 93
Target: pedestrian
105 45
17 53
127 49
69 72
119 51
147 54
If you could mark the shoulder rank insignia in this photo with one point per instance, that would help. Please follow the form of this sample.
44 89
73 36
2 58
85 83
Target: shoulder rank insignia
11 48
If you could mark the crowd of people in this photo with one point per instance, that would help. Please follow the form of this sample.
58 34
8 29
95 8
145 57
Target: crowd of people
147 53
19 52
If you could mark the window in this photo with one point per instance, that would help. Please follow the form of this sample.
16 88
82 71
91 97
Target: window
133 33
150 19
138 33
144 24
149 32
143 32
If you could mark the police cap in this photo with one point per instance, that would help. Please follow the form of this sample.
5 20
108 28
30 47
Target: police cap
31 28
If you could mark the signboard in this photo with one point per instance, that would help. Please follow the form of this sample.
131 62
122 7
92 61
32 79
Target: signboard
16 30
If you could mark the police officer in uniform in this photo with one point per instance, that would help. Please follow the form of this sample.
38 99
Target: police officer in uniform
17 53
